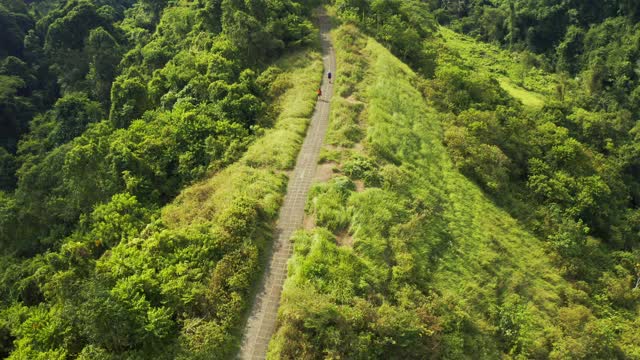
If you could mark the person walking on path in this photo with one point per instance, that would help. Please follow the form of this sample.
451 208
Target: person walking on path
329 76
319 93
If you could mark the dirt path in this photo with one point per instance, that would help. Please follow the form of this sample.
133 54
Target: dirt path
262 320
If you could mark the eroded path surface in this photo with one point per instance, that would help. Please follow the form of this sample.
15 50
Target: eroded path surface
262 319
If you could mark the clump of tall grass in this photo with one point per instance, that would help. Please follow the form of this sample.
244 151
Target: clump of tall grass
345 128
279 146
327 203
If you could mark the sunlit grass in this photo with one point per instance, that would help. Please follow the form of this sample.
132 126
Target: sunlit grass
279 146
401 124
528 98
276 150
231 214
504 66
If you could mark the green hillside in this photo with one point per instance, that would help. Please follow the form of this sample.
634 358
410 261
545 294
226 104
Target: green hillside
409 258
528 84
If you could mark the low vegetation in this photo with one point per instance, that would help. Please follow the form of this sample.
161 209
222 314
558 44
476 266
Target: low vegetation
172 285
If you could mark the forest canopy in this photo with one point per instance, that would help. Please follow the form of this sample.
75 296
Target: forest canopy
108 110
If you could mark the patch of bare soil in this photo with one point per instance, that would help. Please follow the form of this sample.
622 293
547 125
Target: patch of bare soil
359 185
324 172
343 238
352 100
309 222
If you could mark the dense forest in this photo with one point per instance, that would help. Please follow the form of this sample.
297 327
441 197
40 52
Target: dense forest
108 110
484 202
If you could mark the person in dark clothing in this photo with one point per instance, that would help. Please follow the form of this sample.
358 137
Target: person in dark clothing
329 76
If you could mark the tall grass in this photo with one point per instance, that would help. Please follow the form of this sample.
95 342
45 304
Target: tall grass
346 108
279 146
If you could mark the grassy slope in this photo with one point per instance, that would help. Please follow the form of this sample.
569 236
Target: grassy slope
488 254
505 66
420 227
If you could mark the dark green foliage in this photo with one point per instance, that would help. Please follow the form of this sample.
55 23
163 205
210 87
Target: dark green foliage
7 219
109 109
16 109
455 89
539 24
593 40
7 170
74 37
403 26
128 101
104 55
71 115
570 49
15 21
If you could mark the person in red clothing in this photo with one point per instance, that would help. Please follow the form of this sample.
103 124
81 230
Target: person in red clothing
319 92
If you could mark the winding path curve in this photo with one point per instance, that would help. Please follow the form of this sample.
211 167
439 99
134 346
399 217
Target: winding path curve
262 319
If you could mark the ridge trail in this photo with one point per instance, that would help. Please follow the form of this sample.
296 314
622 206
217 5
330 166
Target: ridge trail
262 319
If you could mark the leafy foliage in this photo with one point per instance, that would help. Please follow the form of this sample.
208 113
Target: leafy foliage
135 199
403 26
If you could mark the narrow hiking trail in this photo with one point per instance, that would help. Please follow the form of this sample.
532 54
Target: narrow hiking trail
262 320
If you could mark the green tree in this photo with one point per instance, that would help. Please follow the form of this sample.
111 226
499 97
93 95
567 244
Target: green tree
104 54
120 219
71 115
569 50
128 101
8 169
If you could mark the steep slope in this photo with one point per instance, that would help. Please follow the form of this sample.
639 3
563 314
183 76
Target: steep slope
408 258
143 197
